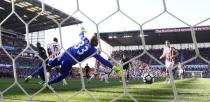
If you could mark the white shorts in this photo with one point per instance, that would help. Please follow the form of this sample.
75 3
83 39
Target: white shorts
169 64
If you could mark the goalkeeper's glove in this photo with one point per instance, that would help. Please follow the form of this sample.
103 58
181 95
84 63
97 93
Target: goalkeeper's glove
83 30
118 70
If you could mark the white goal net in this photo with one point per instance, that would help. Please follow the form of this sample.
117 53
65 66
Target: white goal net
96 26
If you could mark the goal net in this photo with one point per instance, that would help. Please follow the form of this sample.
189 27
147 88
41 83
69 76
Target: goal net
193 74
44 11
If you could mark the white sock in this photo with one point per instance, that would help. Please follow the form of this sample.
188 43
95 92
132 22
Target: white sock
47 76
106 78
102 78
64 82
91 77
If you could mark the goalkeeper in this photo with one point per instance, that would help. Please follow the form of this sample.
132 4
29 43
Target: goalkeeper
80 51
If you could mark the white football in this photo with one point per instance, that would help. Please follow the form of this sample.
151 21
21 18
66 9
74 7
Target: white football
148 78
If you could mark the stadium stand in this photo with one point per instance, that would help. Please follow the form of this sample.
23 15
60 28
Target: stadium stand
121 41
13 34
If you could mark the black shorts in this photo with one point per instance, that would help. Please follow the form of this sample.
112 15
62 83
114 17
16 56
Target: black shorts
125 68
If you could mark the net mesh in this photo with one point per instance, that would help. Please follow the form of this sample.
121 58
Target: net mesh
83 89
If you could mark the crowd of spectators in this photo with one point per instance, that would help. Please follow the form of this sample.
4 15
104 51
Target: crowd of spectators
159 71
184 54
14 45
26 63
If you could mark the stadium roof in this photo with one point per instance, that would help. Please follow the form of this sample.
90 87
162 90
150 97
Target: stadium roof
28 9
156 36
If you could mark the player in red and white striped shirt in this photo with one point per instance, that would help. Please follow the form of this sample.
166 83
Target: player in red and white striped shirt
54 50
169 53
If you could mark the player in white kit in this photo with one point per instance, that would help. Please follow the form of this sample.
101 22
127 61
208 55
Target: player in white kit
180 70
169 53
104 73
54 50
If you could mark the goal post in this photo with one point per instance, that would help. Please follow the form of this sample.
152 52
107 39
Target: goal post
193 74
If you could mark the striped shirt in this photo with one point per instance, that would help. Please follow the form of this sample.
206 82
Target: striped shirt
169 52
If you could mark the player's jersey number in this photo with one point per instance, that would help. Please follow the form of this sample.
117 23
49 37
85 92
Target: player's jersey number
81 49
55 47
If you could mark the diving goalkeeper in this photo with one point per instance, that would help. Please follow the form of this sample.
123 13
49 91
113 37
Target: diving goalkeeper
80 51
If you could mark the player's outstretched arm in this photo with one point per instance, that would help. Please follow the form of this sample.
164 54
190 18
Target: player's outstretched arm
82 36
103 61
116 69
163 55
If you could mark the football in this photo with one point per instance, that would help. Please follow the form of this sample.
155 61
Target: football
148 78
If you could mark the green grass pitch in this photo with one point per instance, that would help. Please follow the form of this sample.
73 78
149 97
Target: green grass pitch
189 90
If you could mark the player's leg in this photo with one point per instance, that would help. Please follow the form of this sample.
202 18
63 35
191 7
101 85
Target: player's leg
54 63
93 75
57 69
181 75
47 76
167 65
127 75
48 69
64 71
170 65
124 70
171 81
102 77
41 74
88 75
40 70
106 78
50 64
166 75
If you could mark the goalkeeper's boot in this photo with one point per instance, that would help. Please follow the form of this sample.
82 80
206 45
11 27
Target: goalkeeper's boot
28 78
